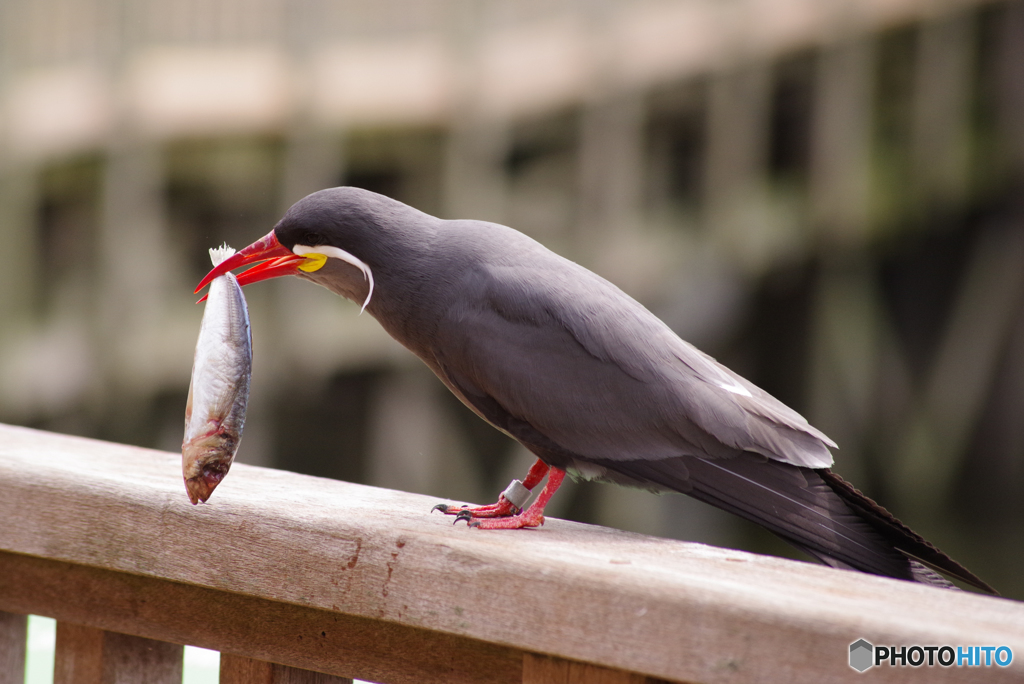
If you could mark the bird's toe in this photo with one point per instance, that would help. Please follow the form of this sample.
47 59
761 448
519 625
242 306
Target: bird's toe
514 522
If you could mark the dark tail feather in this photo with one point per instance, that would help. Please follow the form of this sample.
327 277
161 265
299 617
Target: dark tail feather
919 550
918 571
814 510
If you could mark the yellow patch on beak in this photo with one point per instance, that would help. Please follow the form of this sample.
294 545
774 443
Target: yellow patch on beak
313 262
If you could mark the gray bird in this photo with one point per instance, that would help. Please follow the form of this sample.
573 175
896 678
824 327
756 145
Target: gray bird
583 376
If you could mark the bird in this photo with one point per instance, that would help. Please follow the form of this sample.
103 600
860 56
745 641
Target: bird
585 377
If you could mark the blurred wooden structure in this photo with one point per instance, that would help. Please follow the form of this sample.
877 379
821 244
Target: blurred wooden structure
823 195
320 576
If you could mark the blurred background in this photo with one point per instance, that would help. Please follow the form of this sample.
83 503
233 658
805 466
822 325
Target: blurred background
825 196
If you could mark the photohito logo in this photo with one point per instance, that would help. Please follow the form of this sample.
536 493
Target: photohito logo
865 655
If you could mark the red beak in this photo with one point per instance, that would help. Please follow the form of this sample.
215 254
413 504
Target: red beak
279 261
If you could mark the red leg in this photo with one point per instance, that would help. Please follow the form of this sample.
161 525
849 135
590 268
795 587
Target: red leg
532 516
502 508
537 472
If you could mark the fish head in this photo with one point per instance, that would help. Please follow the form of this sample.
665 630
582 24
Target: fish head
200 487
205 462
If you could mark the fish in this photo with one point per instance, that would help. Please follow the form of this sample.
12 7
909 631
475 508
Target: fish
219 390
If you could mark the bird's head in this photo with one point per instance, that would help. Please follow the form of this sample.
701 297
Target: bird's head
330 237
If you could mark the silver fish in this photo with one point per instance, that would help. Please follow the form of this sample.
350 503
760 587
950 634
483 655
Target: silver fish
219 391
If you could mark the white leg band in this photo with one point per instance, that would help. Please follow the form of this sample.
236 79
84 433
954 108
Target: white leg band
516 494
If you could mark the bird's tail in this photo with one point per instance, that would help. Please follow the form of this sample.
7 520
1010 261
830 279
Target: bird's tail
814 510
925 559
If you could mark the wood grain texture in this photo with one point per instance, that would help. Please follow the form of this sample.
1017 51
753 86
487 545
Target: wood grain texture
79 655
13 633
241 670
548 670
236 669
86 655
297 636
364 556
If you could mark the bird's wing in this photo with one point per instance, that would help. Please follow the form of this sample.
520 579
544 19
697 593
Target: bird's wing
566 355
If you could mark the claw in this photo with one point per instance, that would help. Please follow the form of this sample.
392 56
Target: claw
440 507
463 515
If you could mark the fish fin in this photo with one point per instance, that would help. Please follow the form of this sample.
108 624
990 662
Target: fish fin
188 406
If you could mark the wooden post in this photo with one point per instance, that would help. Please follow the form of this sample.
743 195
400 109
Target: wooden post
1010 85
18 262
735 178
13 631
840 141
546 670
86 655
241 670
940 136
611 149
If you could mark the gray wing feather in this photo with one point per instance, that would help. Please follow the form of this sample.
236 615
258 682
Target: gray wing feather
638 390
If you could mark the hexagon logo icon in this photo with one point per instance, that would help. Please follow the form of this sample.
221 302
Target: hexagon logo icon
862 655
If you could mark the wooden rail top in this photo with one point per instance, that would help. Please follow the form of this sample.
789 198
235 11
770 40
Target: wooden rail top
366 582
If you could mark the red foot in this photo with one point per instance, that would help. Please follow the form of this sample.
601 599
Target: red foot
532 516
496 510
503 508
528 518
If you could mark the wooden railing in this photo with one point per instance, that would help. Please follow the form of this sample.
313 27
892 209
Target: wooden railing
290 576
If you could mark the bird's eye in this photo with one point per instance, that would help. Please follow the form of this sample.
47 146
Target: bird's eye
312 240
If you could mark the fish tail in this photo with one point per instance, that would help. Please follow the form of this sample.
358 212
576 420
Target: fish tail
219 254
